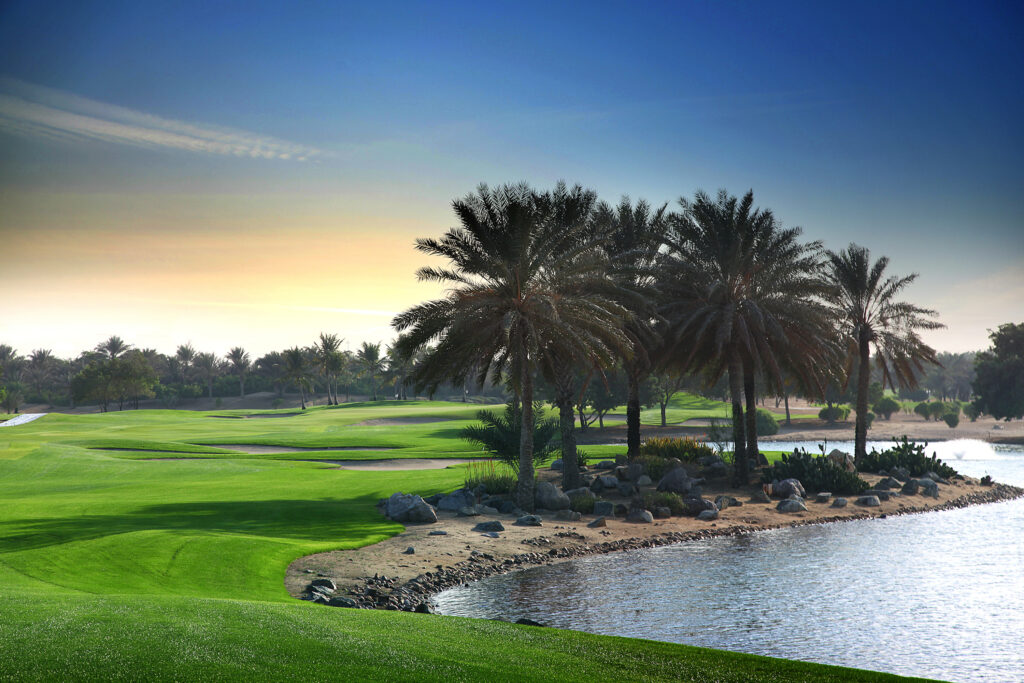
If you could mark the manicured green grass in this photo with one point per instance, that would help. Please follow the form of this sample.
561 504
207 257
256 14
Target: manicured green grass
114 567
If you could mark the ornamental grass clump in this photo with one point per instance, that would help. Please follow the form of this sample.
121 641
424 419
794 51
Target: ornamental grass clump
816 473
497 478
582 504
686 449
665 499
655 466
910 456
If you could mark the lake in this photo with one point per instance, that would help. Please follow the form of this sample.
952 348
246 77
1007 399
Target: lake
937 594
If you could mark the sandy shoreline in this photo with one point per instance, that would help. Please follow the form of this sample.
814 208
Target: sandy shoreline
386 576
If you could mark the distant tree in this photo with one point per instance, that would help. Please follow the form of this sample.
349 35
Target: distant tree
297 370
273 368
399 367
886 406
208 367
240 364
999 384
185 355
662 387
372 362
112 347
12 397
39 370
326 350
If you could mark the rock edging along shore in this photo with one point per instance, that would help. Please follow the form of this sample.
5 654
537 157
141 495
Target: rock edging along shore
383 592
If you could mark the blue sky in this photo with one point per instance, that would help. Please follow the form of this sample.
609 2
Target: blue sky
895 125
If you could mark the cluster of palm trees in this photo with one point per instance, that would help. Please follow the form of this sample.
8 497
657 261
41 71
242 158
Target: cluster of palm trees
546 283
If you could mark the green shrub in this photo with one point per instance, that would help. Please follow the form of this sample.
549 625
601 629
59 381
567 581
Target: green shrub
951 419
922 410
972 412
886 407
816 473
496 477
686 449
581 457
656 467
499 434
665 499
936 409
583 504
837 413
870 418
767 425
908 455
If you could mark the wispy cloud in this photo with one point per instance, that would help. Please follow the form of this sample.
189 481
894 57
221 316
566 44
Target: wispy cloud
37 111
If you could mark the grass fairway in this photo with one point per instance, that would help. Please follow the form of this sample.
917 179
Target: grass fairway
116 567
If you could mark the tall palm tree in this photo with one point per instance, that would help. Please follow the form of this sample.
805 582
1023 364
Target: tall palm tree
326 350
40 369
373 363
208 367
11 362
240 364
746 298
185 355
523 287
870 316
296 369
113 347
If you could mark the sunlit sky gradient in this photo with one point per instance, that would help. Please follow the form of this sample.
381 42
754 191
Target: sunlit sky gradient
247 174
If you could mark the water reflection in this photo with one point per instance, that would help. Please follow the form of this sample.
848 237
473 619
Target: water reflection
938 595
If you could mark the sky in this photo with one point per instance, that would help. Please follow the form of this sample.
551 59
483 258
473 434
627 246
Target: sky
254 174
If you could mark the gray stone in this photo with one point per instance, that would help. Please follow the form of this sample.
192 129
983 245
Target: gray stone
635 470
723 502
839 503
695 506
409 551
622 473
493 525
716 471
341 601
662 512
456 500
486 510
324 582
557 465
901 473
408 507
791 505
823 497
644 480
528 520
598 523
547 496
639 516
468 511
760 497
708 515
621 510
438 532
604 482
881 495
928 487
910 488
567 516
787 487
842 460
708 460
868 501
492 534
581 491
604 508
889 483
677 481
626 489
507 507
606 465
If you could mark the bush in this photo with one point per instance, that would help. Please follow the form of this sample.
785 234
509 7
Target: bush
937 409
922 410
972 412
665 499
870 418
582 504
496 478
908 455
951 419
499 434
686 449
837 413
886 407
816 473
767 425
656 467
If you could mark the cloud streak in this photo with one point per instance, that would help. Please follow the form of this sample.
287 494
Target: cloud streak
36 111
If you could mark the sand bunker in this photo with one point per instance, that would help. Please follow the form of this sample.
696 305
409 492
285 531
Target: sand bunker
255 416
397 421
21 419
261 449
394 464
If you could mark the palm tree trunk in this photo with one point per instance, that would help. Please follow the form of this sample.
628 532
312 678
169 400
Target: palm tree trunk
741 471
209 388
863 377
524 487
633 413
786 397
567 425
664 405
241 386
751 425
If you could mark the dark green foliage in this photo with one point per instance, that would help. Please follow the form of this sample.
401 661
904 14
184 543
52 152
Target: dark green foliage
871 419
951 419
496 478
908 455
656 466
999 380
972 412
665 499
832 414
499 434
767 425
686 449
875 392
816 473
922 410
936 409
886 406
583 504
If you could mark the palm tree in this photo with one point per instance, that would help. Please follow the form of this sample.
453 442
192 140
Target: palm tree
296 369
326 350
746 300
41 365
209 367
185 355
523 287
870 316
113 347
10 362
240 364
373 363
399 366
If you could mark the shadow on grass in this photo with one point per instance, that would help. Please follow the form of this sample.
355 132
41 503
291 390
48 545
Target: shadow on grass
301 520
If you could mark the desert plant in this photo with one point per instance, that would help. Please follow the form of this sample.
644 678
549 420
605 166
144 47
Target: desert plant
496 477
908 455
686 449
767 425
500 432
816 473
583 504
886 406
665 499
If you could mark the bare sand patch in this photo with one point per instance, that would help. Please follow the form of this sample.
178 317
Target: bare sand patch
397 464
398 421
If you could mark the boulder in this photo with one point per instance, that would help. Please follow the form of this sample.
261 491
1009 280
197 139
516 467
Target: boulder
557 465
901 473
604 482
409 551
620 510
889 483
716 471
568 516
708 515
635 470
468 511
760 497
622 473
626 489
581 491
547 496
604 508
528 622
791 505
644 480
928 487
677 481
323 582
605 465
723 502
695 506
493 525
910 488
410 508
486 510
823 497
598 523
868 501
708 460
936 478
839 503
528 520
639 516
788 487
438 532
341 601
456 500
662 512
881 495
507 507
842 460
492 534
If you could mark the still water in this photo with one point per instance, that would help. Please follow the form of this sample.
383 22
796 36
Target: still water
938 594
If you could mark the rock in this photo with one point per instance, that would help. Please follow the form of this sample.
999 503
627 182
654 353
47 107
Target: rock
468 511
936 478
438 532
910 488
324 582
598 523
409 551
320 598
717 471
493 525
626 489
868 501
456 500
787 487
723 502
889 483
635 470
605 465
408 507
708 515
547 496
928 487
567 516
492 534
529 520
604 508
677 481
486 510
434 499
621 510
880 495
604 482
423 608
842 460
622 473
662 512
791 505
901 473
557 465
639 516
644 480
760 497
839 503
708 460
528 622
823 497
341 601
507 507
695 506
672 463
581 491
